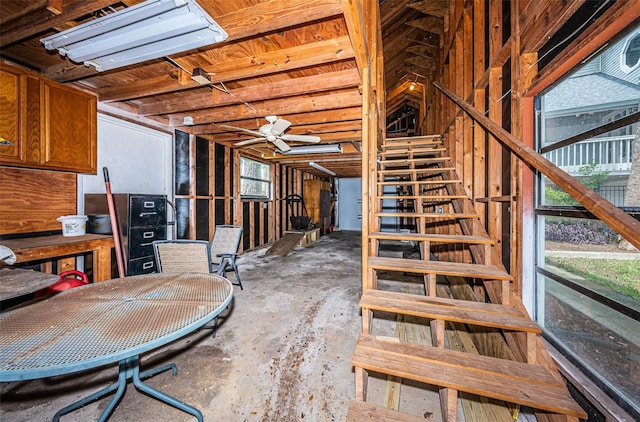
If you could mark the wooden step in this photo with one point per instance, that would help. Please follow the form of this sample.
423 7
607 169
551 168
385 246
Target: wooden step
360 411
465 311
393 172
410 142
416 182
430 198
452 215
455 269
415 161
453 371
414 152
435 238
411 138
440 310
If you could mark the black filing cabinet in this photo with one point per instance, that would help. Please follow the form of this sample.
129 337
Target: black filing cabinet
142 219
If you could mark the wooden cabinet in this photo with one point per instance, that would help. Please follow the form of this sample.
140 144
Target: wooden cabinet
317 200
12 116
50 126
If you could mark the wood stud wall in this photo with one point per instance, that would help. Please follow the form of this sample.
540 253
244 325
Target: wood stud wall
481 49
199 161
490 60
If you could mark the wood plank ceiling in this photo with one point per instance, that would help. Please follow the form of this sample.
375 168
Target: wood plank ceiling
290 58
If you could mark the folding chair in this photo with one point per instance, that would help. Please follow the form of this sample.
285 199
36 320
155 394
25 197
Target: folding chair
224 249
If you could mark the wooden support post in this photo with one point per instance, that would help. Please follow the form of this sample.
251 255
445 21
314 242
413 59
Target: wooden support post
437 332
361 378
449 404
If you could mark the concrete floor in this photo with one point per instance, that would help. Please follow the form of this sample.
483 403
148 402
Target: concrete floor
282 352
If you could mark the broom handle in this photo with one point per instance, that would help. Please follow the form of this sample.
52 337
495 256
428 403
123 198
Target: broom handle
114 225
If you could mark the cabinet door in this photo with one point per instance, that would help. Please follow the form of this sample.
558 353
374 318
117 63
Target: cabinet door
12 115
69 120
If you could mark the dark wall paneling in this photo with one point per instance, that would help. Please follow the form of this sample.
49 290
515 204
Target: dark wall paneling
257 226
181 163
202 219
231 181
202 167
182 218
246 226
265 224
219 204
219 153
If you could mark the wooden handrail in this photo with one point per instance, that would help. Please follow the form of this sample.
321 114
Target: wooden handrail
625 225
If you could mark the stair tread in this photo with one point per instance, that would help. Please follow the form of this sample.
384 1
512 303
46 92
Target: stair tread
360 411
463 311
426 214
416 151
419 182
418 170
414 160
405 138
424 198
438 267
444 238
501 379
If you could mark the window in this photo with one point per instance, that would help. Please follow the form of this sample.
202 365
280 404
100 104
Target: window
255 180
587 284
631 53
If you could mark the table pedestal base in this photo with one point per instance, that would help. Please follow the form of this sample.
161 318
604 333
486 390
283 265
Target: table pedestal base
129 369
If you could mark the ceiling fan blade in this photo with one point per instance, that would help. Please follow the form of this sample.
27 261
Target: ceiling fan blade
250 141
280 126
281 145
301 138
253 132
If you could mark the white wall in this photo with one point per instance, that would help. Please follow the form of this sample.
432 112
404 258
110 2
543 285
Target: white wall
139 160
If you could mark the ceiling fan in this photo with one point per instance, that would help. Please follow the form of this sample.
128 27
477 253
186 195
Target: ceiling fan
274 132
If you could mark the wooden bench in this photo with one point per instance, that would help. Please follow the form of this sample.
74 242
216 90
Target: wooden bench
453 371
439 310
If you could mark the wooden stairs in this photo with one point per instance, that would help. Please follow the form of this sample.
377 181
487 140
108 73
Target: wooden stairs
481 349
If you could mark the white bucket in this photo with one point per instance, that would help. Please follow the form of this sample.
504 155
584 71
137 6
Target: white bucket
73 225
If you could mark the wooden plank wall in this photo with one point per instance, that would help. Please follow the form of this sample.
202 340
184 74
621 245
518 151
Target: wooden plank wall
31 200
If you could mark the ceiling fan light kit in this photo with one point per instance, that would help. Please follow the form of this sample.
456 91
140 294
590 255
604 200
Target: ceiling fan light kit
273 132
146 31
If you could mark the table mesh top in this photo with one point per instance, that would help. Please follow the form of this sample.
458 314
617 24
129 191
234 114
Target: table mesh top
101 323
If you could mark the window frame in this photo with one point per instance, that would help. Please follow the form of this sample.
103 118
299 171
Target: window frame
268 181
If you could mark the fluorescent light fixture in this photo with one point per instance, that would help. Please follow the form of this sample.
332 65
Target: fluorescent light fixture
319 167
152 29
315 149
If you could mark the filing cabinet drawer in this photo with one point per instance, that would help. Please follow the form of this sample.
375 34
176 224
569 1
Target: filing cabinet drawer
144 265
148 210
140 240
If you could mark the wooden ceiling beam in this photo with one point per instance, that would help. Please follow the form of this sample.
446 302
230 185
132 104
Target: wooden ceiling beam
296 86
429 24
439 8
28 26
261 18
276 107
306 55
